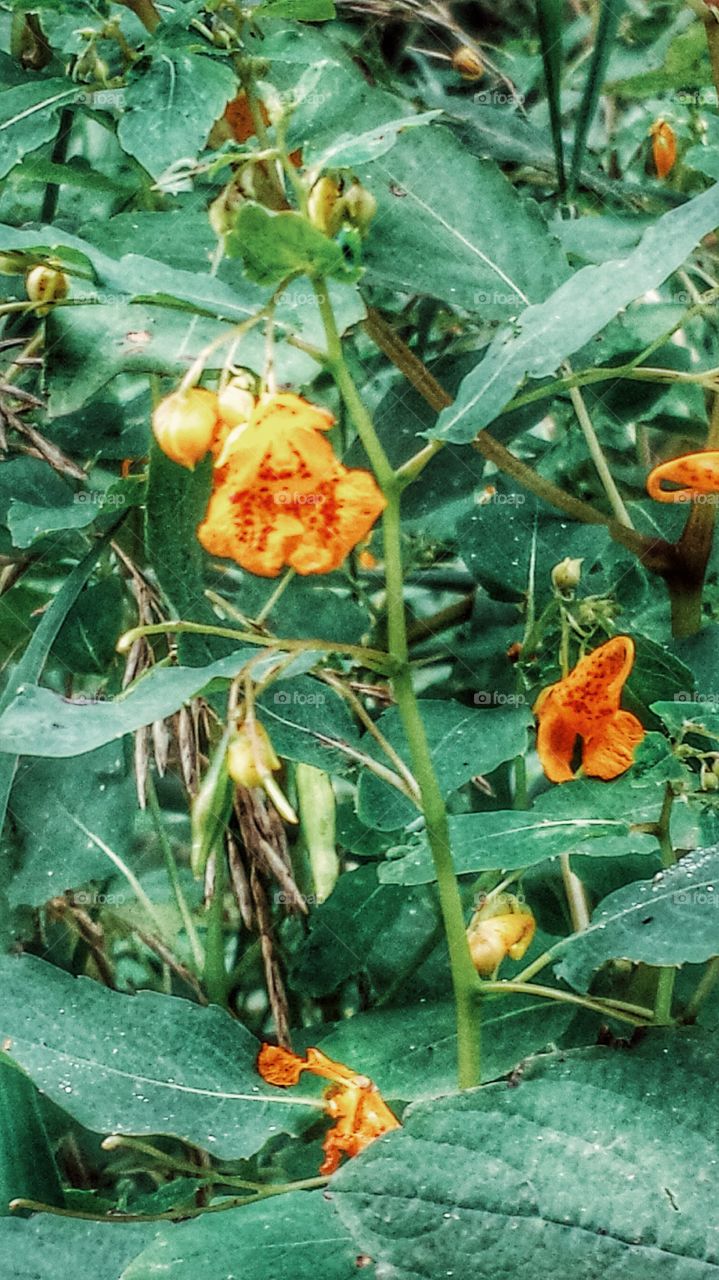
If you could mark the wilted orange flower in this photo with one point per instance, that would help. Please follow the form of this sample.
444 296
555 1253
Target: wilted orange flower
698 473
281 497
585 704
352 1101
499 928
664 147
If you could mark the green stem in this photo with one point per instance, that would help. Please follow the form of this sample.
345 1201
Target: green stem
635 1014
667 975
374 659
172 1215
173 875
597 455
215 975
705 986
464 977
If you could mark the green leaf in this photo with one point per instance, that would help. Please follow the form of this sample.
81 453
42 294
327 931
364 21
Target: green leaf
171 107
27 523
27 1163
86 642
464 741
669 920
48 1248
684 717
451 226
610 13
550 19
276 245
143 1064
29 117
297 1236
38 722
47 796
350 150
411 1053
297 10
306 721
29 668
598 1164
545 335
510 840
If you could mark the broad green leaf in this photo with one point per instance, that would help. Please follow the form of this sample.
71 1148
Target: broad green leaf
48 1248
47 798
298 1236
176 503
308 721
685 717
507 522
597 1164
171 106
545 335
297 10
464 741
361 928
29 117
411 1053
141 1064
39 723
451 226
27 523
510 840
350 150
27 1162
29 668
672 919
87 640
276 245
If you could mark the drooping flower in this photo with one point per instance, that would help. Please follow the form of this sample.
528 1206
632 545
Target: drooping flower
585 704
664 147
697 473
499 928
352 1101
281 497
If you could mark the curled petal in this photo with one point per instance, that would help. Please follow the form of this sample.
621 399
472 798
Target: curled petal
556 736
610 750
279 1066
696 473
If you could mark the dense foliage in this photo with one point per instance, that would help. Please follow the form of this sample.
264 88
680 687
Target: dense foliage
359 611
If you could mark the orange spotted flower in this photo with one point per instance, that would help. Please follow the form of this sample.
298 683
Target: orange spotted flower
281 497
352 1101
697 473
585 704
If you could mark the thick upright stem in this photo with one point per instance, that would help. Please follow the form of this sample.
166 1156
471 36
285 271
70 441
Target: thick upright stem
667 975
464 978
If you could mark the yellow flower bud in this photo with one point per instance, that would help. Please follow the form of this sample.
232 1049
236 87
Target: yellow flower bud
325 205
566 575
500 928
251 757
468 63
359 206
236 402
45 285
184 425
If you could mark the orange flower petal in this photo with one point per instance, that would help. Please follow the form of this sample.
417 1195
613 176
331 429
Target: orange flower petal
664 147
280 1066
556 736
697 473
586 704
610 751
355 1104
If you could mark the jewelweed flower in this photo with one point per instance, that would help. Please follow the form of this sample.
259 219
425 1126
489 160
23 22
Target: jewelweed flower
697 473
355 1104
281 497
664 147
585 704
500 928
